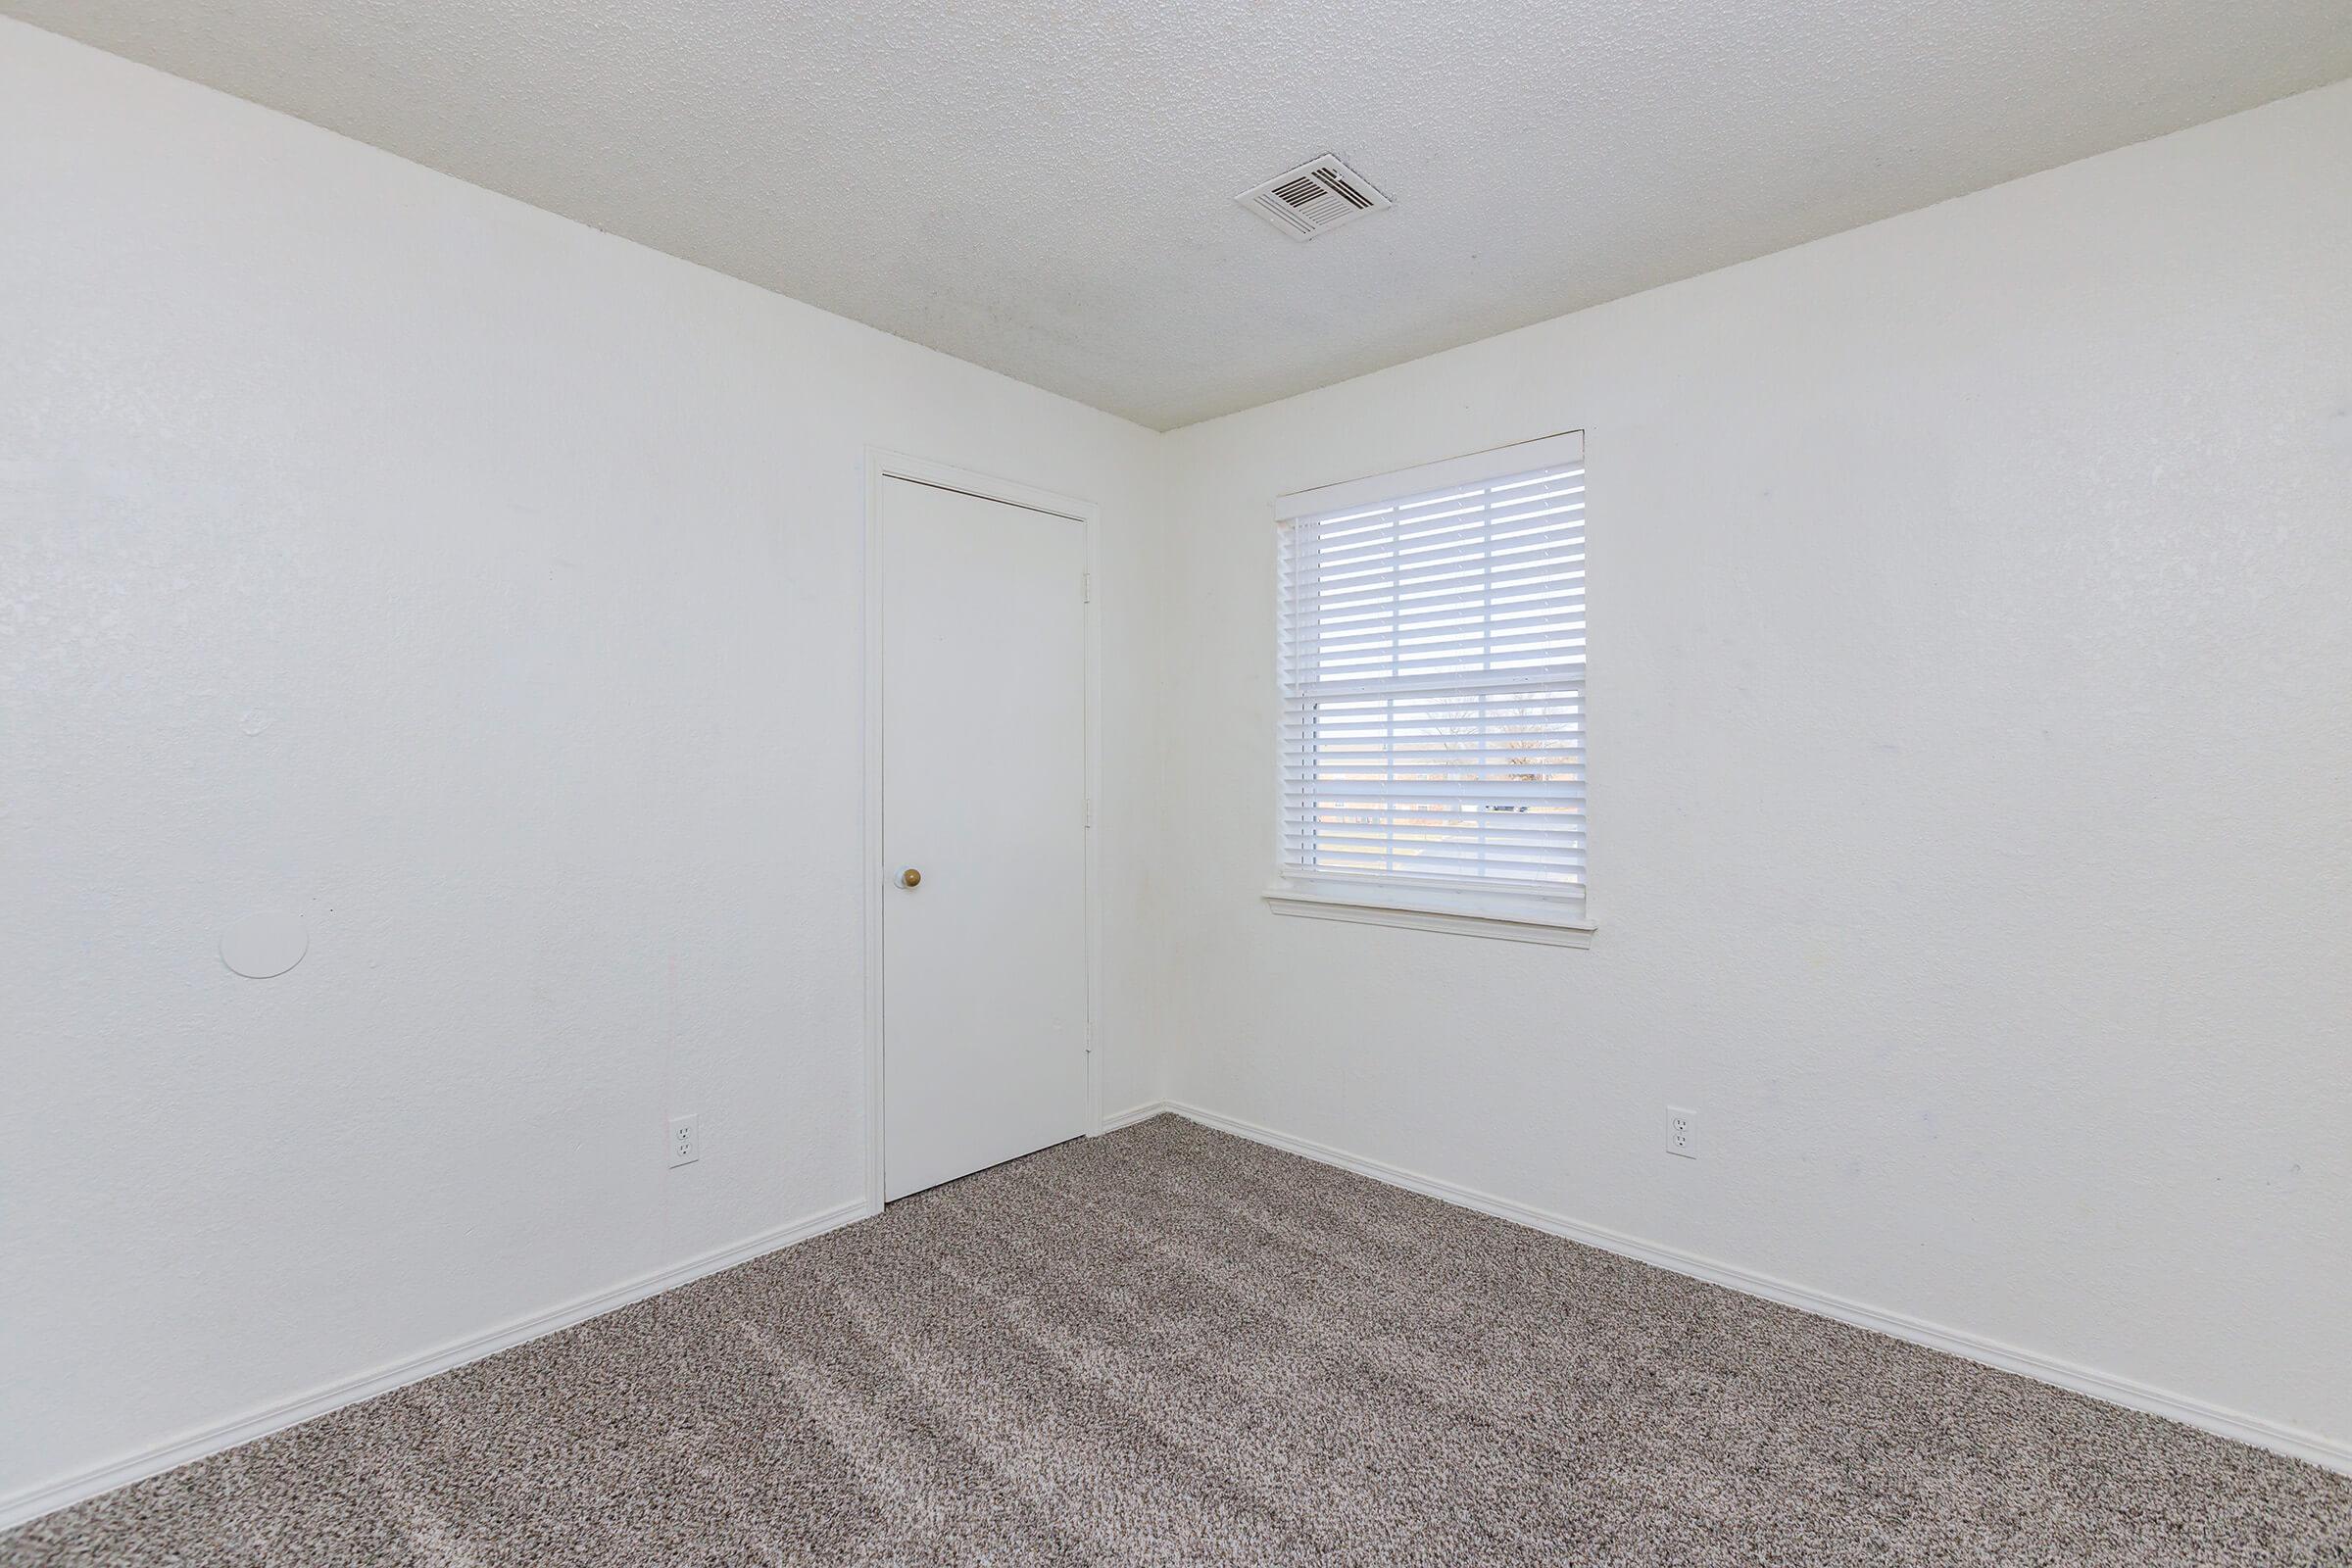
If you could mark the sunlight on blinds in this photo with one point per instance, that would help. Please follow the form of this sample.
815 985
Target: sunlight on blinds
1433 685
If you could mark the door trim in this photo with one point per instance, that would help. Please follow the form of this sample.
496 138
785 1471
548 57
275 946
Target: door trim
882 464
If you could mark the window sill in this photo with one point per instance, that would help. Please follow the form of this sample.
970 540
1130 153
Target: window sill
1390 907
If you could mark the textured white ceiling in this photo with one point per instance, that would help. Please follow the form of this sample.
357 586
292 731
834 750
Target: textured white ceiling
1045 186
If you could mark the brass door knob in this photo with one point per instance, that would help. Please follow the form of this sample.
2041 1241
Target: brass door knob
911 878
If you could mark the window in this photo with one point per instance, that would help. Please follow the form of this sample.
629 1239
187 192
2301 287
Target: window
1433 696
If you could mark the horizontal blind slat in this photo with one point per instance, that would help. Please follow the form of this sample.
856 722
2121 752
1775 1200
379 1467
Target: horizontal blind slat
1432 715
1545 677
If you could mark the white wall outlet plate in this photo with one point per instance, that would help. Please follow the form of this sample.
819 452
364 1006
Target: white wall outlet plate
1682 1132
685 1141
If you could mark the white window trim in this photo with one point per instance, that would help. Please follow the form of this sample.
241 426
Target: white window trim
1470 468
1464 908
1370 903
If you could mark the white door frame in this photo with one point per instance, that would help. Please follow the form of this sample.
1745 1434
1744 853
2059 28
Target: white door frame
882 464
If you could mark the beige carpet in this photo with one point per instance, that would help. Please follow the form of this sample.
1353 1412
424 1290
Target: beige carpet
1173 1346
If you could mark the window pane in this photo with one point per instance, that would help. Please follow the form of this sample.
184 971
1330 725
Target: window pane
1433 685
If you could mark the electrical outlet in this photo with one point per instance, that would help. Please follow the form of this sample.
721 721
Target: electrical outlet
1682 1132
685 1142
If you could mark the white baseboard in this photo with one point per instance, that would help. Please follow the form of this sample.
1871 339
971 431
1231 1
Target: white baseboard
18 1507
2329 1452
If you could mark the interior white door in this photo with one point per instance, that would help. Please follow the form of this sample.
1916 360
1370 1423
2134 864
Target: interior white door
984 968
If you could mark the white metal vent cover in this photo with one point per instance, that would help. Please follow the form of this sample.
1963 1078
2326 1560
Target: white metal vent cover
1317 196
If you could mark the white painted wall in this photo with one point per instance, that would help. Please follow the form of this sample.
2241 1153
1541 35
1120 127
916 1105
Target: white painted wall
1971 727
486 591
1970 737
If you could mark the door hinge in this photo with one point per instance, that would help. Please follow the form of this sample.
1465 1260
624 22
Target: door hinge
1090 811
1086 587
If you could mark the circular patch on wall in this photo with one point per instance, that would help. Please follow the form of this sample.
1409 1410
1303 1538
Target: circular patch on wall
259 946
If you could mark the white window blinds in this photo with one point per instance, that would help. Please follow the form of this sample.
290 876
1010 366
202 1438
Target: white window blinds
1433 677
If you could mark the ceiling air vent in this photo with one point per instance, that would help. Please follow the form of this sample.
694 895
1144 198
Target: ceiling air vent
1318 195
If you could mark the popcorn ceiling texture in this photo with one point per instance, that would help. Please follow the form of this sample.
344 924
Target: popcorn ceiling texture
1171 1345
1048 190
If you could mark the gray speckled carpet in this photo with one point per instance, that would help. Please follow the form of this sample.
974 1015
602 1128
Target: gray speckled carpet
1173 1346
